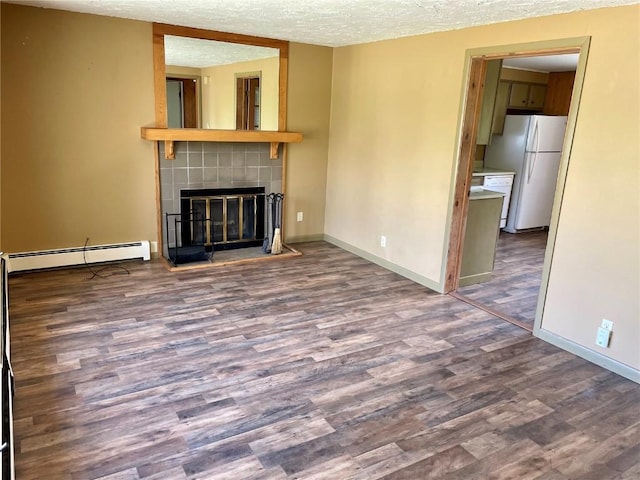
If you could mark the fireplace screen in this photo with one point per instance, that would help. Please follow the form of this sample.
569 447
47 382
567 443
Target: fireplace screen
235 217
192 251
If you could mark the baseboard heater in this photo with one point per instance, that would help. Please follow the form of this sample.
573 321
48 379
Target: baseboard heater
65 257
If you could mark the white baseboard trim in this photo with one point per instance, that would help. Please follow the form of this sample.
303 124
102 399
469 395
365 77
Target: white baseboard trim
590 355
424 281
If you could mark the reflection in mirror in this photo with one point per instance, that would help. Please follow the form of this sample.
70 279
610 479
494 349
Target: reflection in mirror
221 85
183 101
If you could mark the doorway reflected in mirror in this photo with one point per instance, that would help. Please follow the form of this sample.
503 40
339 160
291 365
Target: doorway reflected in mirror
248 102
182 103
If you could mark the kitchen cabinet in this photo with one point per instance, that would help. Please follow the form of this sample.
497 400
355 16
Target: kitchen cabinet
504 89
528 96
559 90
480 237
536 96
516 95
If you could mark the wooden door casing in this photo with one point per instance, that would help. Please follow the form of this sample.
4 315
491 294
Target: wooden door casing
247 102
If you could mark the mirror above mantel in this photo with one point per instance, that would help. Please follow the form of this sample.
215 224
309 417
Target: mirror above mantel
267 128
221 85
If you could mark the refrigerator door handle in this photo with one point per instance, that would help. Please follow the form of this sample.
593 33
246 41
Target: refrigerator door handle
533 141
531 164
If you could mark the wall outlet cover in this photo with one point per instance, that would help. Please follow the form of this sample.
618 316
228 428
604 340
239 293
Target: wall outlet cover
300 216
603 337
607 324
383 241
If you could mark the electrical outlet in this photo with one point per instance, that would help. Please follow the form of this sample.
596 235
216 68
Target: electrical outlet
300 216
603 337
153 247
383 241
607 324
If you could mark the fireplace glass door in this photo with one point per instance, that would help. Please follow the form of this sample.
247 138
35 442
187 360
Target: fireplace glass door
233 219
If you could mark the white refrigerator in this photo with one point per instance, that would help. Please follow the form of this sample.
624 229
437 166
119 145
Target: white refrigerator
531 146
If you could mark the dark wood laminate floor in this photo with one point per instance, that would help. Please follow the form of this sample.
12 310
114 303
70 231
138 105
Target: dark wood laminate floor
323 366
517 274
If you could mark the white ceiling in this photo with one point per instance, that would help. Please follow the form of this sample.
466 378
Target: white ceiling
326 22
551 63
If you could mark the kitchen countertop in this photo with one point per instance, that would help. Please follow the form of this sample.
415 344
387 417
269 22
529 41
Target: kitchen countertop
484 194
489 171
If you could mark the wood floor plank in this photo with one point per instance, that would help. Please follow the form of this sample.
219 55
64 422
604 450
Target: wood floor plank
436 466
323 366
515 283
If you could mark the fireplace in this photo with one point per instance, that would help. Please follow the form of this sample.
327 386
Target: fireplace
222 218
211 167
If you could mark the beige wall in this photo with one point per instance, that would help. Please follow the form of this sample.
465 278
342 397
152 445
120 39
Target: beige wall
527 76
178 70
309 99
219 95
392 155
393 130
77 89
596 265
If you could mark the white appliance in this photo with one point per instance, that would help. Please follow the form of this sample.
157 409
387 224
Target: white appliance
531 146
500 183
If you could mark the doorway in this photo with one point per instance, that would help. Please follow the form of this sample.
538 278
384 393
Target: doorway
182 102
516 288
248 102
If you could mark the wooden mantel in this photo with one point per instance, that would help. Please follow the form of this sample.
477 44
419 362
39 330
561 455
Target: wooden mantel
169 135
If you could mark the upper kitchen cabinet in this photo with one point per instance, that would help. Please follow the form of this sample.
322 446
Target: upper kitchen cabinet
511 96
528 96
518 95
558 97
518 90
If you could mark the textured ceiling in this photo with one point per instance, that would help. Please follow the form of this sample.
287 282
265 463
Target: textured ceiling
193 52
326 22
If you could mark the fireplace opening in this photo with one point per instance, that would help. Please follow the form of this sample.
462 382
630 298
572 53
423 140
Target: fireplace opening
222 218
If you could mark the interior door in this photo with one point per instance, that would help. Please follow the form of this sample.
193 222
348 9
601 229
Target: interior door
174 103
248 103
189 103
182 106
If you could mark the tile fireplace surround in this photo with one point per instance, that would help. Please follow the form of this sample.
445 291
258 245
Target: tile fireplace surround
214 165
